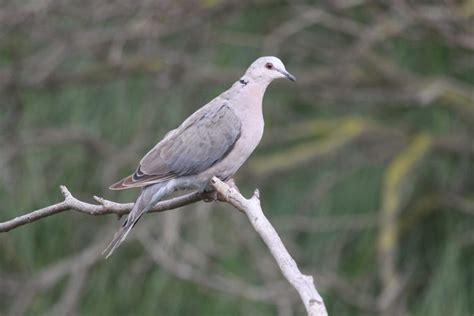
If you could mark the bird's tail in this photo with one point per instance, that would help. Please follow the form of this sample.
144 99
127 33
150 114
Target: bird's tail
147 199
137 211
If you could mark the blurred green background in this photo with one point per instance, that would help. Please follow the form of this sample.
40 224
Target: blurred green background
365 168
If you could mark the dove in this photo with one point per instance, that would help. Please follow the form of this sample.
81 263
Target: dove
215 140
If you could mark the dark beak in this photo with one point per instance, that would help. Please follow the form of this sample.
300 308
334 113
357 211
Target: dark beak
289 76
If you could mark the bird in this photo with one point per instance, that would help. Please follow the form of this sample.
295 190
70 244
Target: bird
215 140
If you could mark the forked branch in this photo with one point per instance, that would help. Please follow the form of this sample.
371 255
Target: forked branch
304 284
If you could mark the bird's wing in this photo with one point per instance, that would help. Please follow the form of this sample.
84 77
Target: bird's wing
202 140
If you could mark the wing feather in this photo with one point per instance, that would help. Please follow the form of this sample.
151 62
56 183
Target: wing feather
201 141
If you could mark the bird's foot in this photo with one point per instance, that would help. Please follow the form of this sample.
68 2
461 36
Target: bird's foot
210 196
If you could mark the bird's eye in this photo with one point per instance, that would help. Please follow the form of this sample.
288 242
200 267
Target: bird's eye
269 65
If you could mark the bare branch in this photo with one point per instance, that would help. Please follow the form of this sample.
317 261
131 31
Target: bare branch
103 208
225 192
251 207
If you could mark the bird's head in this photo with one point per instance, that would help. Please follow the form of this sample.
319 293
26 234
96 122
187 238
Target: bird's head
267 69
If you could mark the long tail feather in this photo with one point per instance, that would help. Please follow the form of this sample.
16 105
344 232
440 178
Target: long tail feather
148 198
123 232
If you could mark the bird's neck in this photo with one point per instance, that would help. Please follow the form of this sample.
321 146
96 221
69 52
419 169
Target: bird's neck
251 90
253 86
248 96
262 81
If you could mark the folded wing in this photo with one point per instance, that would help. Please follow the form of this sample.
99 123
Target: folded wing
199 143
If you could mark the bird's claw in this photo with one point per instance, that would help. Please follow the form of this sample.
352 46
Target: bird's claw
211 196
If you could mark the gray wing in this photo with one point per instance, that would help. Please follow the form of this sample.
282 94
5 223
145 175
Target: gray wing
199 143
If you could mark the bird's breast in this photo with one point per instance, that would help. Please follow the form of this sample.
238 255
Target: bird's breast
252 125
251 134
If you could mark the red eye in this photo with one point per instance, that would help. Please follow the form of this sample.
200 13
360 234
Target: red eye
269 65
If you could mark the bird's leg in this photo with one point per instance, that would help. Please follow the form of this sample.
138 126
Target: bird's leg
224 195
210 195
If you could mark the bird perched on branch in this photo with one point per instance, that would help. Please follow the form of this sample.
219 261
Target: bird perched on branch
214 141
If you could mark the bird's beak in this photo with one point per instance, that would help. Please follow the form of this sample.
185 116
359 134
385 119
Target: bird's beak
290 76
287 75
